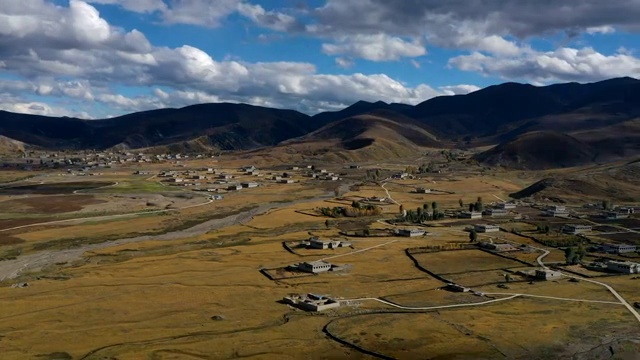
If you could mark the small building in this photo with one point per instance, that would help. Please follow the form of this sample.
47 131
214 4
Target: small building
457 288
316 243
619 248
225 176
217 197
557 210
576 229
311 302
496 212
249 185
485 228
247 169
400 175
546 274
615 215
234 187
354 166
506 205
314 267
286 181
470 215
498 247
410 232
376 199
624 267
422 191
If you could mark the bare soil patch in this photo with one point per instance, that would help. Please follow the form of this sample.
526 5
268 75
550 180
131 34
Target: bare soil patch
50 204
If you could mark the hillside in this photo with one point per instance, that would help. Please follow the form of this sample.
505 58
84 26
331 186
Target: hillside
599 116
539 150
10 146
379 135
617 182
226 126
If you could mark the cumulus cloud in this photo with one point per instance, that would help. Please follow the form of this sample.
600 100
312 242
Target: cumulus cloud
377 47
79 60
563 64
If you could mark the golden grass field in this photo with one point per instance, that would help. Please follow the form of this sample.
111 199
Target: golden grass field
200 294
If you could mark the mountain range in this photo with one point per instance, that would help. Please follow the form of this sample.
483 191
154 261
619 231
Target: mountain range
532 127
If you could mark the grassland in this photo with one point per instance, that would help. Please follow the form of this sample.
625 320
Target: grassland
171 285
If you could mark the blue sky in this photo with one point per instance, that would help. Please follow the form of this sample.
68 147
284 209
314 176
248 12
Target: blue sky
102 58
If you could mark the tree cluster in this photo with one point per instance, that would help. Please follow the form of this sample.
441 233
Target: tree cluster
373 175
574 255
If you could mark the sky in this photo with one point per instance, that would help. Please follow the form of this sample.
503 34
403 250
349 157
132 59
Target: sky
103 58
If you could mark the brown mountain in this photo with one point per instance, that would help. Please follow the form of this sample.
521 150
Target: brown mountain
598 118
539 150
381 134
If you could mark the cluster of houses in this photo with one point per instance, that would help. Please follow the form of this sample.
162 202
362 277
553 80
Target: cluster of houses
323 174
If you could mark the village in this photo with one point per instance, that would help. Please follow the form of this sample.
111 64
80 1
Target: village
344 241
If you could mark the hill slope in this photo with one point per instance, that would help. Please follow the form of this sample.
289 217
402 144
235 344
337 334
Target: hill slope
379 135
539 150
226 126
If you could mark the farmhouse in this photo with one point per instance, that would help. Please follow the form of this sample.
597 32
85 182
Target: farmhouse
496 212
624 267
311 302
249 185
286 181
506 205
234 187
422 191
557 210
498 247
484 228
548 274
400 176
410 232
316 243
619 248
458 288
315 267
576 229
614 215
470 215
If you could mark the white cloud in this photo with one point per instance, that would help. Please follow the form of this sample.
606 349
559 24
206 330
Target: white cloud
378 47
344 62
269 19
563 64
461 89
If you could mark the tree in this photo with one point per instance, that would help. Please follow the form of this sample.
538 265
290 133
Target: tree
473 235
355 204
366 232
419 211
478 205
472 207
434 206
401 210
425 206
326 223
570 255
547 229
507 277
461 203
